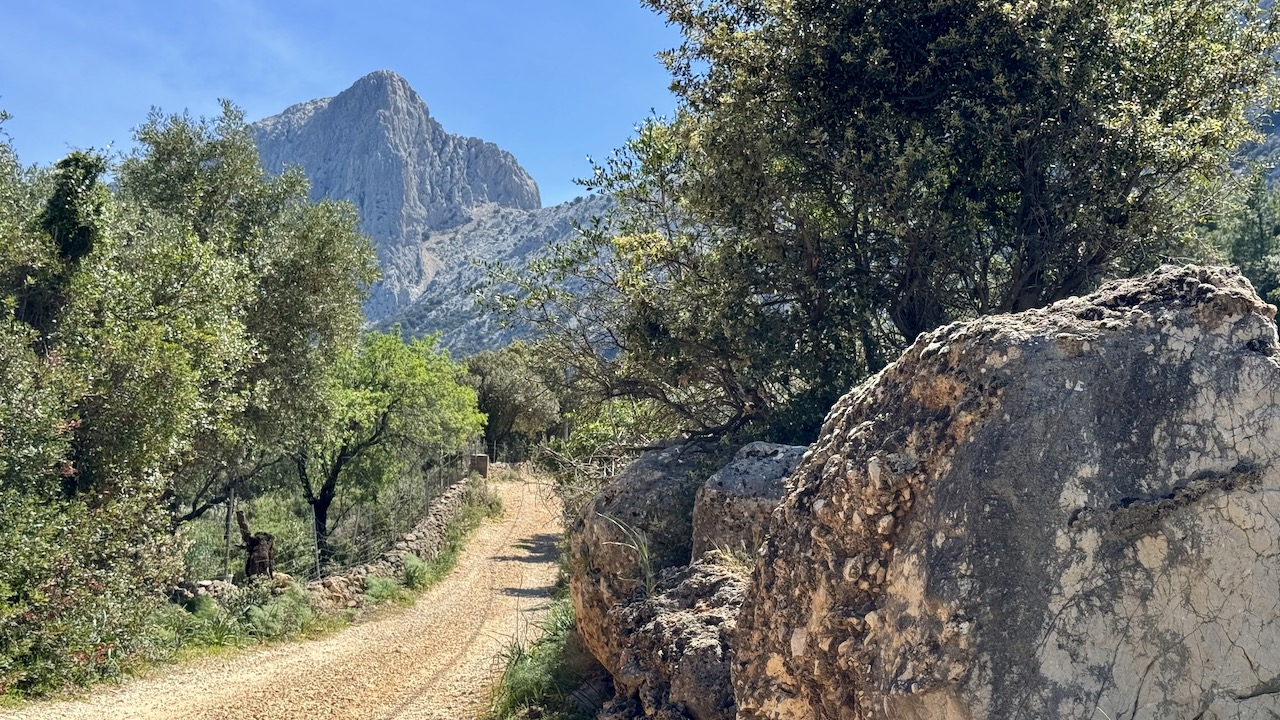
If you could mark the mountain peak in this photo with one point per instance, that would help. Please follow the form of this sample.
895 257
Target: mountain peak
385 85
377 145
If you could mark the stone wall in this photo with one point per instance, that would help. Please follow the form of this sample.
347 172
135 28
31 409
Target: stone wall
425 540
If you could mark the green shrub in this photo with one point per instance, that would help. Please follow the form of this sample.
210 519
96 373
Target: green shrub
78 586
286 615
481 502
417 574
254 613
542 678
380 590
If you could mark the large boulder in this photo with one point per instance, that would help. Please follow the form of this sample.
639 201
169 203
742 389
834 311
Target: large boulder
1067 513
732 509
676 645
635 527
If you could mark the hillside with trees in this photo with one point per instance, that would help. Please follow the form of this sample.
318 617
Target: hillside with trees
179 327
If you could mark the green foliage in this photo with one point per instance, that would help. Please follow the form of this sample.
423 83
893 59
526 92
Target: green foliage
541 678
417 575
606 437
394 404
841 177
286 615
521 407
85 551
1248 234
279 512
382 590
74 212
295 273
637 541
255 613
159 343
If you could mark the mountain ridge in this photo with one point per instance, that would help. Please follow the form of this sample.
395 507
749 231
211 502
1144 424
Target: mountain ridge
427 198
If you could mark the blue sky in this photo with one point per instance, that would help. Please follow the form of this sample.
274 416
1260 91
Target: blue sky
552 81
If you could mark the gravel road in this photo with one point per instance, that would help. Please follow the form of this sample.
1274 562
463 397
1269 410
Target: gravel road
433 660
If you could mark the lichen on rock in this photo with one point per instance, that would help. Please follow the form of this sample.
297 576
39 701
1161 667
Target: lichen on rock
732 508
1064 513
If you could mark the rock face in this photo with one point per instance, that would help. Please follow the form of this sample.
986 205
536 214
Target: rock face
732 509
447 303
376 145
637 526
675 646
1066 513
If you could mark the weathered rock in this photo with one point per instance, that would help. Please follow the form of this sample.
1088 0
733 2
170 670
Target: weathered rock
1064 513
638 525
437 276
732 508
675 646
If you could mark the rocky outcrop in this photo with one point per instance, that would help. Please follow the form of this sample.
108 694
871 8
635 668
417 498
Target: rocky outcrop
637 526
732 508
675 646
453 301
376 145
1067 513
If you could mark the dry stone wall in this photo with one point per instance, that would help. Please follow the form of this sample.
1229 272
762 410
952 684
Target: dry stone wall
426 539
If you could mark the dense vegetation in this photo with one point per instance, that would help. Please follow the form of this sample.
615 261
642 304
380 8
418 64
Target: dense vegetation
177 327
841 177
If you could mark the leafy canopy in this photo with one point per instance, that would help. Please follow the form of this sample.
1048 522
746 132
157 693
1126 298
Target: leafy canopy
843 176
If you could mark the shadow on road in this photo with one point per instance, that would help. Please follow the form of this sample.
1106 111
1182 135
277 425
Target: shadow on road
535 593
541 548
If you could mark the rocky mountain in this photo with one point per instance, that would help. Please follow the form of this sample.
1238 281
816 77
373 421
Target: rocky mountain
495 234
430 200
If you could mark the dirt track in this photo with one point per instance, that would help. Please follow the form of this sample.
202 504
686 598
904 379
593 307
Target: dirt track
433 660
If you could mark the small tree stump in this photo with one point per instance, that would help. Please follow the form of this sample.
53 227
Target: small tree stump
260 547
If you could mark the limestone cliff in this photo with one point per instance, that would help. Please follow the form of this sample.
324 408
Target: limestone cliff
447 302
376 145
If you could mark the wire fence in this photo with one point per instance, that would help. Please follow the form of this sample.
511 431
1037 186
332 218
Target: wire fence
361 526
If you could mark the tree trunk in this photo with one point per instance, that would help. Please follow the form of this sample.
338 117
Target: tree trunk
260 548
320 513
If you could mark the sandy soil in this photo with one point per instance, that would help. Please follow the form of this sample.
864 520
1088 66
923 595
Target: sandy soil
433 660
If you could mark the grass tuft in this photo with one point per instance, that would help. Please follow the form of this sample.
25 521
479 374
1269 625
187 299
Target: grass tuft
547 678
